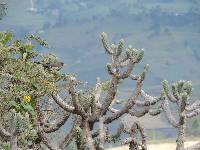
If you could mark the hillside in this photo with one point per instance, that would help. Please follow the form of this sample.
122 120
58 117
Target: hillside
168 30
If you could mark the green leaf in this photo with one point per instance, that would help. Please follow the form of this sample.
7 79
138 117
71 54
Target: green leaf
27 107
13 103
29 47
6 37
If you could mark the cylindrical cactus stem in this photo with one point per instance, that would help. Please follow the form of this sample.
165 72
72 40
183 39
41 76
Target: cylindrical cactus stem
133 142
120 47
106 44
181 132
110 70
168 114
184 99
155 112
166 89
175 92
102 134
181 91
144 72
140 55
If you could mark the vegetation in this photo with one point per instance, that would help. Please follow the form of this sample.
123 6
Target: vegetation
23 83
38 100
32 85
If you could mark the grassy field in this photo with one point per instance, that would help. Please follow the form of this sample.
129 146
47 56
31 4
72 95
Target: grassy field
161 146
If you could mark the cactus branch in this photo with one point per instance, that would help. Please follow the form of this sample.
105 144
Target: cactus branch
98 93
102 134
133 142
70 136
56 126
106 44
42 135
130 103
193 113
72 91
168 115
62 103
4 133
193 106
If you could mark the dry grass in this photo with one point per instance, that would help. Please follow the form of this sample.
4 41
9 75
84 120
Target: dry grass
161 146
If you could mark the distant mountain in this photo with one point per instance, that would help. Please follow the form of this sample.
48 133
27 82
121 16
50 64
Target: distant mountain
168 30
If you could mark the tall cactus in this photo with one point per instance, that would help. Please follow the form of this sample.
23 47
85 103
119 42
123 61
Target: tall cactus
93 105
180 94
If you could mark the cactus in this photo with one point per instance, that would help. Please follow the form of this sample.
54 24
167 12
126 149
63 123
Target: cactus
3 7
34 94
181 93
92 101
